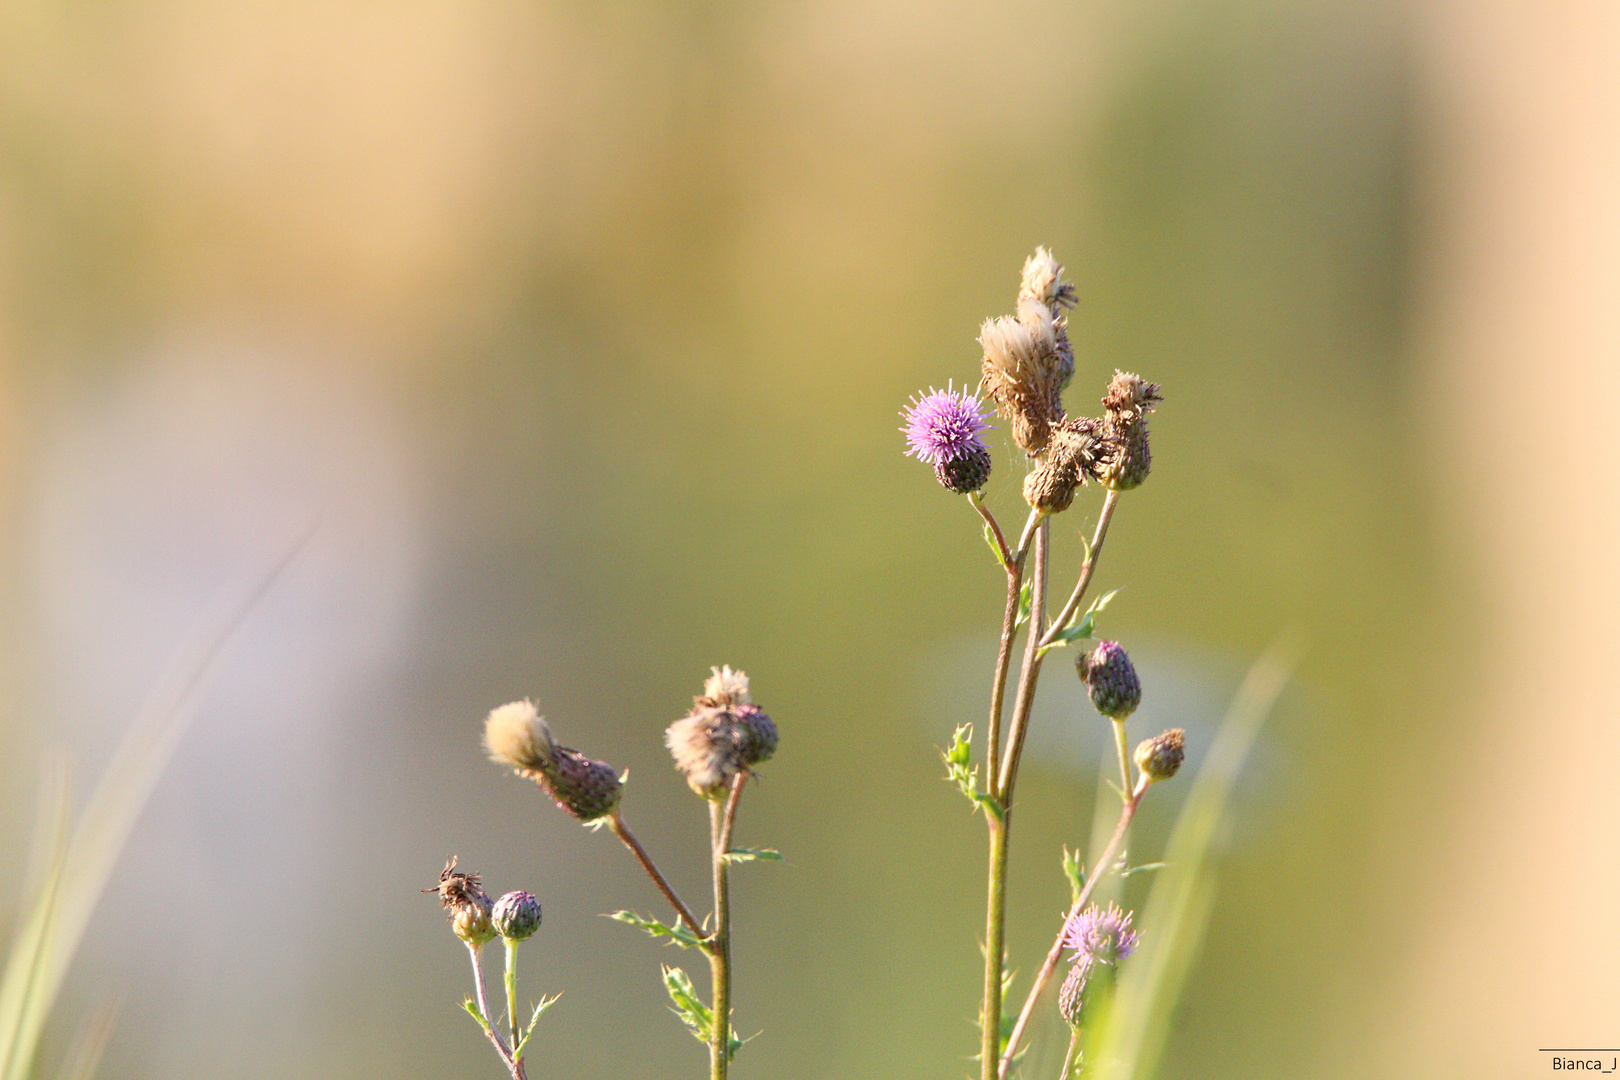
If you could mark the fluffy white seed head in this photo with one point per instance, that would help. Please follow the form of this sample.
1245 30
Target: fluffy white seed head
515 734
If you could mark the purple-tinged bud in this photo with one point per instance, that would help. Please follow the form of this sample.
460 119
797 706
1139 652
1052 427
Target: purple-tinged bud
1160 756
1125 430
463 896
965 474
516 916
756 734
1110 679
518 736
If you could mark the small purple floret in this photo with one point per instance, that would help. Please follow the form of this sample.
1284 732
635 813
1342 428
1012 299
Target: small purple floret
944 425
1100 936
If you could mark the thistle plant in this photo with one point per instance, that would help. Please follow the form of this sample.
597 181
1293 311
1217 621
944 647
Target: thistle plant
715 746
1028 363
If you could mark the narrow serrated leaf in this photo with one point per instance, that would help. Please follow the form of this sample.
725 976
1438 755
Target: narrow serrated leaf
995 548
1023 605
741 855
1139 869
678 933
545 1003
1075 872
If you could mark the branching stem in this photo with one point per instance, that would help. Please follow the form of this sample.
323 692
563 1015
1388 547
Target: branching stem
492 1029
1042 977
1066 616
622 831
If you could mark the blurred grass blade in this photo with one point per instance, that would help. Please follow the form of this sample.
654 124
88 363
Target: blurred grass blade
83 1055
54 923
43 881
1129 1041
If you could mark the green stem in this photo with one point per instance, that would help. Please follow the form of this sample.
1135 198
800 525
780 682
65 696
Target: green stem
994 929
1110 853
1124 759
721 819
1066 616
1029 675
1068 1059
513 1066
511 992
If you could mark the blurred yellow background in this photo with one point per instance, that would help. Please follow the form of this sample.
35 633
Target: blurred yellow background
578 333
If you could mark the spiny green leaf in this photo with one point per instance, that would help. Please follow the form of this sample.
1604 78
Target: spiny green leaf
679 934
545 1003
747 854
697 1016
472 1011
1023 605
1085 628
1139 869
960 770
995 548
1075 872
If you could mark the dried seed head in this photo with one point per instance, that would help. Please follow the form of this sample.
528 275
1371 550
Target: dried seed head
463 896
1110 679
1072 453
704 746
1023 371
726 687
516 916
1043 281
1125 427
723 735
517 735
1160 756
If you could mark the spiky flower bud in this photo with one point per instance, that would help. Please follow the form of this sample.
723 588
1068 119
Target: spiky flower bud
723 735
1160 756
1101 938
964 474
1125 427
1110 679
469 907
516 915
517 735
943 429
1072 452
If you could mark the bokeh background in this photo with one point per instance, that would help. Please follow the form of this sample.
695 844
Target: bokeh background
577 332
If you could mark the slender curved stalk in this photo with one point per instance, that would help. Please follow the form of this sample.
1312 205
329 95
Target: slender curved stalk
995 528
1030 674
1068 1059
622 831
1122 745
1066 615
721 820
995 922
513 1066
1053 955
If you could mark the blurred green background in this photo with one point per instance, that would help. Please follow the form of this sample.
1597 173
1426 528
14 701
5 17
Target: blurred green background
579 332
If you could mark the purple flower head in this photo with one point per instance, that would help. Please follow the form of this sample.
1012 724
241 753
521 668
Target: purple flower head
1100 936
944 426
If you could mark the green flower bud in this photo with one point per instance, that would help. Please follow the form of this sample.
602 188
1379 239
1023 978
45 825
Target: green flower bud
516 916
1160 756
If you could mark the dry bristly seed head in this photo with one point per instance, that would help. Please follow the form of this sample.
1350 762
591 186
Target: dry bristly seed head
463 897
1126 406
723 735
516 735
1160 756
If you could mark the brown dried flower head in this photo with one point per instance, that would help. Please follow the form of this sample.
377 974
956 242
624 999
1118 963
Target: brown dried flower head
1073 453
1126 406
723 735
1027 357
469 907
516 735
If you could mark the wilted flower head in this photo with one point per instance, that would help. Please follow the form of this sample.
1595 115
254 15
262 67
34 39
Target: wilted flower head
1072 452
1160 756
463 896
515 734
1125 411
1110 679
516 915
723 735
1027 357
1100 938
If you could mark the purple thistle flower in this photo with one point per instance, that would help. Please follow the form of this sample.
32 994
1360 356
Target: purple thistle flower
944 426
1100 936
